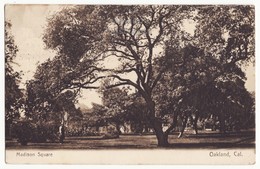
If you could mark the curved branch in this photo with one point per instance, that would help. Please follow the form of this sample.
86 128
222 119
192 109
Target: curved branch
116 85
126 81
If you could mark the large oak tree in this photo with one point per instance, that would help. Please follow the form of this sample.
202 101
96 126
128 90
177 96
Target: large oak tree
146 41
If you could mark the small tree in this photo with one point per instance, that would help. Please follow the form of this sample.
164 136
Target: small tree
116 101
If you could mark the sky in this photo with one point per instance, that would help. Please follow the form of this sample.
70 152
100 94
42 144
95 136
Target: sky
28 24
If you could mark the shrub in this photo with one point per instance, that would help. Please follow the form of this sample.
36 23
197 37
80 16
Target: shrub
44 132
26 131
23 131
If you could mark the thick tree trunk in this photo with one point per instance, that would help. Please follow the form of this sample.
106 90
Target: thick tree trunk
214 123
173 126
162 138
118 129
195 126
97 128
157 125
146 128
183 126
222 123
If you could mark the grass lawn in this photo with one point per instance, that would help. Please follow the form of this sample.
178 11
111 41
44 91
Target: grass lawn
205 139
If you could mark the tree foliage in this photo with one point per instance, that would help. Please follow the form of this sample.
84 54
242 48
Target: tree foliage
210 80
13 94
46 94
168 63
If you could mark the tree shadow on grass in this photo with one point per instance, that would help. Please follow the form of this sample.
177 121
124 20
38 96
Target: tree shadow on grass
126 146
239 140
243 143
211 145
89 138
222 135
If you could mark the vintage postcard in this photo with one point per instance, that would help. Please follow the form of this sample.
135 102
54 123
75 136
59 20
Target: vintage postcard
129 84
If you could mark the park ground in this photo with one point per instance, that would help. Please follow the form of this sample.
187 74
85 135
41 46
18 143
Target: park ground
204 140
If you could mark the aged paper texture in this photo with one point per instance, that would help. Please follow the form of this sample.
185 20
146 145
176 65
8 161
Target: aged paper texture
130 84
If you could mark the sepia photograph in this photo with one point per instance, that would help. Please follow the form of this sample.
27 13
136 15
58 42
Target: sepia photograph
129 84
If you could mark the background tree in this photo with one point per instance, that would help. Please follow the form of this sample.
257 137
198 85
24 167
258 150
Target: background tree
75 65
76 35
116 100
199 88
137 114
215 66
46 98
230 42
13 94
98 116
